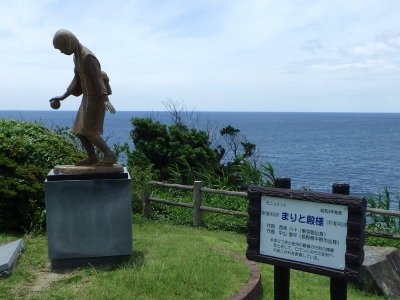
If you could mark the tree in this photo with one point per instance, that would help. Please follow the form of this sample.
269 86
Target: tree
231 138
167 146
181 154
238 147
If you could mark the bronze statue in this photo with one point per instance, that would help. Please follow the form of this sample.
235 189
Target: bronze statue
93 83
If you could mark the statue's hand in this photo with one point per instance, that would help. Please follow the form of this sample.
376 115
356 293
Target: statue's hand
61 98
57 98
109 107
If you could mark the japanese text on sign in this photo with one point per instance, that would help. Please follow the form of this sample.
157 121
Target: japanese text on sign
304 231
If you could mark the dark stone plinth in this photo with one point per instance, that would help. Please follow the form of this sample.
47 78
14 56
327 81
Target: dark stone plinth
88 221
62 264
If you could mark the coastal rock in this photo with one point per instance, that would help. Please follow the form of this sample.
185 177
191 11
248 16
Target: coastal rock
381 271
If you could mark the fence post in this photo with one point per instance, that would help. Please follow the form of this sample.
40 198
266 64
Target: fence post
146 204
283 183
338 287
197 204
282 274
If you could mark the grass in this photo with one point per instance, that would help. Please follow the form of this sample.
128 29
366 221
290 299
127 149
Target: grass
169 262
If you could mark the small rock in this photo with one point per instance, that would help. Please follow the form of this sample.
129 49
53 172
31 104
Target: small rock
381 271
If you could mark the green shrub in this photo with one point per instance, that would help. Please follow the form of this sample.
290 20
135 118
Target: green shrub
165 146
28 151
381 242
383 223
184 216
182 154
140 179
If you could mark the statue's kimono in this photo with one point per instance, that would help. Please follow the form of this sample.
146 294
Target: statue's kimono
90 81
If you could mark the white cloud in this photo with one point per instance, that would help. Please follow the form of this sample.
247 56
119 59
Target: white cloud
215 55
382 46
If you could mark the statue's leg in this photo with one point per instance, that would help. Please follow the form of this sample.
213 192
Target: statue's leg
92 158
109 156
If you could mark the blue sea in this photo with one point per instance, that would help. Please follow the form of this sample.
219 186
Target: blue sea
313 149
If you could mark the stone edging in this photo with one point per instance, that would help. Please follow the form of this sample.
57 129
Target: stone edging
9 254
252 289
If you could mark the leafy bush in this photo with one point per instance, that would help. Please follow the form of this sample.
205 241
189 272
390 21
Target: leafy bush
382 242
167 146
27 153
140 182
182 155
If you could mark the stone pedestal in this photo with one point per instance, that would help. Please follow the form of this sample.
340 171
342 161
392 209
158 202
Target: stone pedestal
89 219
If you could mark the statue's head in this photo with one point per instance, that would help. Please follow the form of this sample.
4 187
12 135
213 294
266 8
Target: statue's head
65 41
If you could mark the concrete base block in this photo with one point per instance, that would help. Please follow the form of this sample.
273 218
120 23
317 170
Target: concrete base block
9 254
88 221
72 263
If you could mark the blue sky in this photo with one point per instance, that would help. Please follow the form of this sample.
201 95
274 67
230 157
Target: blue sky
226 55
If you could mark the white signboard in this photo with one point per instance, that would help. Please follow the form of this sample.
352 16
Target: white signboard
304 231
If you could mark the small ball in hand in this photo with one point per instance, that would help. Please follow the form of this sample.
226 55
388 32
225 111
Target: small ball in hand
55 104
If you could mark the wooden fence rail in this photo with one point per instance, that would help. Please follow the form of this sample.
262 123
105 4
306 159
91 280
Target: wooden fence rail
197 190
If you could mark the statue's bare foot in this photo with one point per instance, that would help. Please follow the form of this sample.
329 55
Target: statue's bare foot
87 162
108 161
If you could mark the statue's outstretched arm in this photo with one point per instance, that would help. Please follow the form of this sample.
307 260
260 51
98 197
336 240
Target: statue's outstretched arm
60 98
